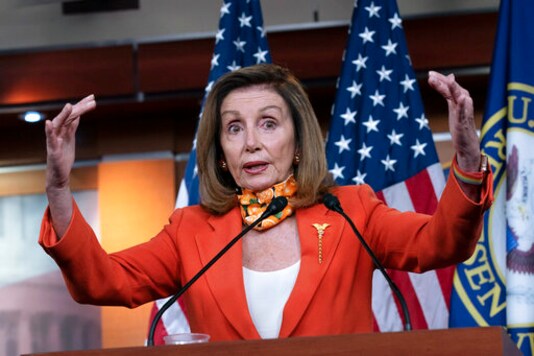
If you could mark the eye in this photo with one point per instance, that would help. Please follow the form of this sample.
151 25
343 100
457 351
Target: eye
234 128
269 124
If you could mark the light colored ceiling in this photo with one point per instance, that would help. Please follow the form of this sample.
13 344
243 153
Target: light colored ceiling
28 24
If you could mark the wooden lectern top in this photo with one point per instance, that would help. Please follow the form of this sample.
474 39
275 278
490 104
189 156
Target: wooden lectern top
485 341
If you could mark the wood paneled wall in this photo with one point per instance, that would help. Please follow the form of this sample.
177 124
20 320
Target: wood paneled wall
149 94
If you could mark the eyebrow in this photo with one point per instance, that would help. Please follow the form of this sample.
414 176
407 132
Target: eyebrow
268 107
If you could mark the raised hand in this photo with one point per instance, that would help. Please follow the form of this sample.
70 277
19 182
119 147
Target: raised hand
60 148
461 120
60 141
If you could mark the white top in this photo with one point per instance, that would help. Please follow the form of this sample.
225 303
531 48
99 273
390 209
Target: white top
267 294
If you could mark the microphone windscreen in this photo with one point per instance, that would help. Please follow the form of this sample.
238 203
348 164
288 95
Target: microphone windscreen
332 202
277 205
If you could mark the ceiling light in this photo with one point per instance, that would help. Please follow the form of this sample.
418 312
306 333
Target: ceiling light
32 116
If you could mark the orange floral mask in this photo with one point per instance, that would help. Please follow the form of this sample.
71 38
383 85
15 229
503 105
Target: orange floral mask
254 204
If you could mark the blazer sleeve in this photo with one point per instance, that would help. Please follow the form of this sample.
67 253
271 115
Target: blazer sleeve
419 242
128 278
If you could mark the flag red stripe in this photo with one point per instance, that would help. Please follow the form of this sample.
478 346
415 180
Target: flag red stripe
422 192
375 325
419 187
182 306
161 330
445 276
405 285
380 196
424 200
417 316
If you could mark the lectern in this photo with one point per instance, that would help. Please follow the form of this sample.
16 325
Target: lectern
462 341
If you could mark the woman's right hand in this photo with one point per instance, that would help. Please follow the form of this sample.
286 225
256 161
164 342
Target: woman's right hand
60 154
60 142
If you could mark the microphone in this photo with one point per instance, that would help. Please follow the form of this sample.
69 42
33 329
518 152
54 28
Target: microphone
332 203
276 206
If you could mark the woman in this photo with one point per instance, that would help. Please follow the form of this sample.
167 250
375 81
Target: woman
259 137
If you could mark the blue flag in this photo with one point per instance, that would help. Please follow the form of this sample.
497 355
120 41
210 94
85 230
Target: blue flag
496 286
379 135
240 41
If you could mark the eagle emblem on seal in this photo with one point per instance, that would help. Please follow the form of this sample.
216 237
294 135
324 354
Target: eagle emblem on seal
519 214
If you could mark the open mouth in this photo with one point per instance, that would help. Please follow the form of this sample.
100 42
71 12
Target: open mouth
255 167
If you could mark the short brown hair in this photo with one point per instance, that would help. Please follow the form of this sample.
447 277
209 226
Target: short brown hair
217 187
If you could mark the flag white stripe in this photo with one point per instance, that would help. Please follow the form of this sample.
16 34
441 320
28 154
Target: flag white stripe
426 285
397 196
174 318
183 195
431 299
384 308
437 178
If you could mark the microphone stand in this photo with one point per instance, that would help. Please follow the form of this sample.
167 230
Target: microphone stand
332 203
276 205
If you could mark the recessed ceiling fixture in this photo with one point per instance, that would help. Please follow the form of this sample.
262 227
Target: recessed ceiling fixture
91 6
32 116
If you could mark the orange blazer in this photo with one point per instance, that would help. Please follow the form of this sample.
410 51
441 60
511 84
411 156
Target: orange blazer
333 297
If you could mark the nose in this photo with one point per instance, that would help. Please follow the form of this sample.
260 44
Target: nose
252 141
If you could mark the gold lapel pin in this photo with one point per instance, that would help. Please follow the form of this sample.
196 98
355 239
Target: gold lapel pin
320 232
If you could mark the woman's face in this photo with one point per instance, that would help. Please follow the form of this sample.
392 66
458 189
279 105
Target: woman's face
257 137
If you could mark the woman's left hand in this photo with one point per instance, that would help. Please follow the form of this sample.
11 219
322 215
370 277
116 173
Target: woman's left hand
461 120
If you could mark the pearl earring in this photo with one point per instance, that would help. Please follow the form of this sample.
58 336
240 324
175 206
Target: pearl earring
296 159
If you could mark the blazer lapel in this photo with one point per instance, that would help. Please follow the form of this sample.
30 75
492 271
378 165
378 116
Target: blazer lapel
311 271
225 277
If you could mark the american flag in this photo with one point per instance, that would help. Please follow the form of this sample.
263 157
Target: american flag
240 41
379 135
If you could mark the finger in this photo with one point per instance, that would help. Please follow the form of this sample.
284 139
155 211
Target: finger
468 112
88 98
48 128
71 119
439 82
73 126
51 141
83 106
49 131
59 120
457 91
86 103
440 76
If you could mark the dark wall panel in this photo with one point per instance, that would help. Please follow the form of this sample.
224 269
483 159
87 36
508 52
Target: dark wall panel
32 77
